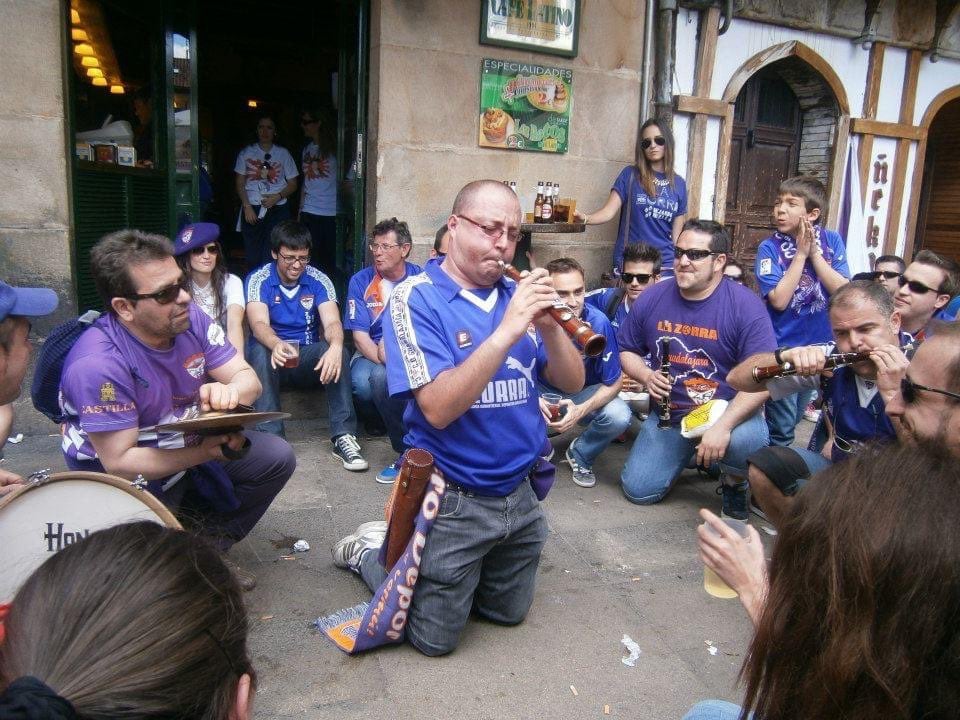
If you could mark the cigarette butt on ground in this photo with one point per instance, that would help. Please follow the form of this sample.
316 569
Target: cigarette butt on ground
606 709
266 617
574 691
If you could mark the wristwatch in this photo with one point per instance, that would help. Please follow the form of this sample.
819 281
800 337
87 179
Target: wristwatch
776 355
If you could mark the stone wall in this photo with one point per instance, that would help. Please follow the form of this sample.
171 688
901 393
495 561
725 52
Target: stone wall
34 197
422 144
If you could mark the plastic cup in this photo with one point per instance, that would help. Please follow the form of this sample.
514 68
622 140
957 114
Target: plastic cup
291 351
553 403
711 581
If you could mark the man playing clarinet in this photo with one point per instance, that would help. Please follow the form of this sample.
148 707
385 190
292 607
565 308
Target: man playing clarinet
863 320
469 347
710 324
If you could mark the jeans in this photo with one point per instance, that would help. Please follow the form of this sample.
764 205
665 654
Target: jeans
481 554
784 414
343 419
659 456
256 237
369 381
714 710
603 425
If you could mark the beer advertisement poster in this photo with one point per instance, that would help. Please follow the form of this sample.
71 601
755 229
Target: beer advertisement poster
524 106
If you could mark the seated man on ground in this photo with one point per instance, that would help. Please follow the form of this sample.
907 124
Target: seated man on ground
597 405
863 320
152 358
711 324
17 306
926 286
288 301
367 297
441 241
641 269
462 349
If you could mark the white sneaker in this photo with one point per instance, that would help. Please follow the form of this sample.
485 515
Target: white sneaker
348 551
346 449
582 475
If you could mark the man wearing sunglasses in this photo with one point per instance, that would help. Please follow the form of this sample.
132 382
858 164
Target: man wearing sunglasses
152 358
863 319
925 407
711 324
926 286
887 270
298 338
641 268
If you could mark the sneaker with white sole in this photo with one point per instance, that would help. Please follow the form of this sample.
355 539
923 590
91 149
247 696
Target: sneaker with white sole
346 449
388 475
582 475
348 552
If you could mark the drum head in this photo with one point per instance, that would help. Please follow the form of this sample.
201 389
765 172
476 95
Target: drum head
40 519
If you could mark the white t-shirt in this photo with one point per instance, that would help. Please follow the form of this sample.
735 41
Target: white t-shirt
319 182
232 295
265 175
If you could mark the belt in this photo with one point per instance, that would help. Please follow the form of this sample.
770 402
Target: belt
473 492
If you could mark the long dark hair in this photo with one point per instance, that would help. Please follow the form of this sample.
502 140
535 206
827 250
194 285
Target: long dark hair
218 279
326 130
647 176
135 621
862 620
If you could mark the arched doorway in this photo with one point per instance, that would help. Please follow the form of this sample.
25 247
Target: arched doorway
938 226
785 124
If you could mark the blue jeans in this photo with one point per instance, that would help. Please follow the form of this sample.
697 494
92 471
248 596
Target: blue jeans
714 710
603 425
784 414
659 456
481 554
343 419
256 237
369 380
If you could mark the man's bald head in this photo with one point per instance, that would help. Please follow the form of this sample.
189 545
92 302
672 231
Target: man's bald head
471 193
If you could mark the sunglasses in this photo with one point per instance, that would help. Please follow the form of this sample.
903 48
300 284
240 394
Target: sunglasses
642 278
166 295
885 274
692 254
916 287
908 388
647 142
212 248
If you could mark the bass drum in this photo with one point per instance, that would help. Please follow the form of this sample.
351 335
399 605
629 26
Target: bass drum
53 511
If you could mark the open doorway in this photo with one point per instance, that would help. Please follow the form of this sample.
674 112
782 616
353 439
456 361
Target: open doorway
939 214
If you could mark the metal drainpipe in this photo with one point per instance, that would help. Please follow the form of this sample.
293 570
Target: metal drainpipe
648 26
663 77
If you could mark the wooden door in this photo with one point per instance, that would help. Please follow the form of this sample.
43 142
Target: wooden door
939 214
763 153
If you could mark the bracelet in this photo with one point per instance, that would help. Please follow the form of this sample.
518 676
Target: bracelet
777 357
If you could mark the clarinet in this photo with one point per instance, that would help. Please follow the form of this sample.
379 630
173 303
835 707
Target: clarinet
663 407
835 360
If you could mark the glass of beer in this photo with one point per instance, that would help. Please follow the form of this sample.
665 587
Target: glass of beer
712 582
553 403
291 351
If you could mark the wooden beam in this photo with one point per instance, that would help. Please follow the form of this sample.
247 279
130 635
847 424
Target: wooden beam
703 78
870 99
723 166
901 131
700 105
911 75
838 161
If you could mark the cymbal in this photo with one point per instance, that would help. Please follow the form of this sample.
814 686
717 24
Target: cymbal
216 422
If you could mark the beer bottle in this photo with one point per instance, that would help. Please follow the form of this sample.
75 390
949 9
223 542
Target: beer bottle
546 210
538 204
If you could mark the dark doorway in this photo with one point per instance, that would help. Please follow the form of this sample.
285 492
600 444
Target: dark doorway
939 213
764 152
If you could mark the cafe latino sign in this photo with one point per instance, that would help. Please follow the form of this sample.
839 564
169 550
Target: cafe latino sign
546 26
525 106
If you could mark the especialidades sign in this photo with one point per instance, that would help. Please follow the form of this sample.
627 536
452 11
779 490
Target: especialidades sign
547 26
524 106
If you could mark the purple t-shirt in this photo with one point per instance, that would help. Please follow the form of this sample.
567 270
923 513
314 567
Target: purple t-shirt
651 218
707 338
112 381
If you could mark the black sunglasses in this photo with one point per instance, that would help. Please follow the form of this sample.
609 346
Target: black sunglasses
647 142
908 388
212 248
693 254
916 287
165 296
642 278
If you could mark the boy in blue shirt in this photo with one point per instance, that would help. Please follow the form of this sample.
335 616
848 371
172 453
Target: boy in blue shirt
797 269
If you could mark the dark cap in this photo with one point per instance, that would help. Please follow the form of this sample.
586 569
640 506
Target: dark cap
195 236
26 302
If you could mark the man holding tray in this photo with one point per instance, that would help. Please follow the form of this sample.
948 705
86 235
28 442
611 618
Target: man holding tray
155 358
469 348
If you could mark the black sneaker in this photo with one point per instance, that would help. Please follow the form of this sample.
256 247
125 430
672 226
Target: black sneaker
347 450
734 499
